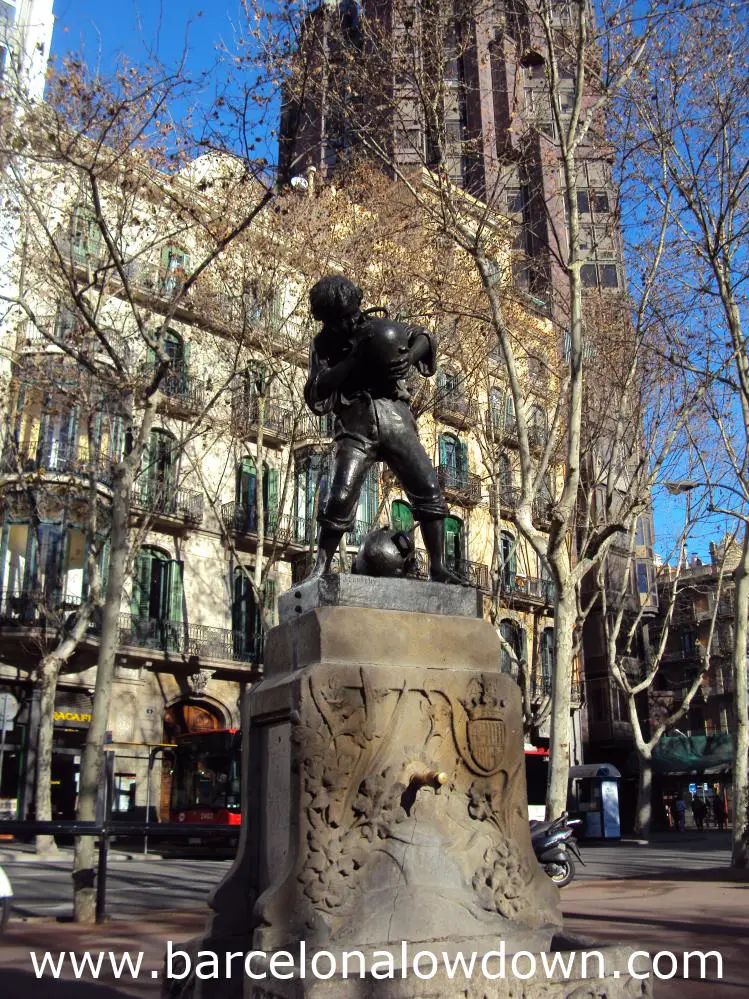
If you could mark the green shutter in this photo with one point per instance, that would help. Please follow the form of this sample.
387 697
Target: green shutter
443 450
401 516
173 578
271 505
452 543
462 461
141 588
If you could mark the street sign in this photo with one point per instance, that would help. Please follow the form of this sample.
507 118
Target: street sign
8 711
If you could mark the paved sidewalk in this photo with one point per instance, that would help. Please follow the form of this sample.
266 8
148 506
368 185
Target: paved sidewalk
707 910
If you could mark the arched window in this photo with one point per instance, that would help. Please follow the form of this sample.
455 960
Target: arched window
454 544
512 633
507 561
401 516
453 461
246 495
156 598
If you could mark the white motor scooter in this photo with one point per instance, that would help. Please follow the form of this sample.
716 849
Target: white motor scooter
6 894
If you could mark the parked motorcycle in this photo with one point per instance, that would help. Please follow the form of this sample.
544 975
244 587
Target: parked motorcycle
552 843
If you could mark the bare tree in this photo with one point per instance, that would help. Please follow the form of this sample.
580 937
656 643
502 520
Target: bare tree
689 142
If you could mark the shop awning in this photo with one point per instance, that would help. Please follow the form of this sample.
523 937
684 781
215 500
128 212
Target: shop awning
693 754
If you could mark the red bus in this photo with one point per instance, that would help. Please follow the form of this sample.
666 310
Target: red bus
206 781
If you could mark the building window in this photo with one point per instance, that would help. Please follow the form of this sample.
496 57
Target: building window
453 461
507 561
453 543
86 241
547 659
583 202
47 565
245 616
588 275
688 642
513 635
401 516
245 495
156 600
175 263
157 484
310 492
600 201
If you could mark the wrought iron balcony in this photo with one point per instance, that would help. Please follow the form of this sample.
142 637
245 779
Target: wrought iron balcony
189 640
474 573
509 497
530 588
49 606
58 459
278 421
314 428
75 335
283 530
465 487
501 428
164 500
182 390
454 408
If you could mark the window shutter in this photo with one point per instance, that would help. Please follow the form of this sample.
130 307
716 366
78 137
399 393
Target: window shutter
463 461
141 586
271 504
174 579
443 450
401 516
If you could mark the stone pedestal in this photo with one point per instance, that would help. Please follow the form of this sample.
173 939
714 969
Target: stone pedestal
385 797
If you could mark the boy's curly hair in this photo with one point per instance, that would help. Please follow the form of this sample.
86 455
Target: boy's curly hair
334 296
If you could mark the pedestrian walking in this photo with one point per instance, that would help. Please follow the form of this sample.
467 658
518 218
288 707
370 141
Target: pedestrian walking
699 811
680 814
719 812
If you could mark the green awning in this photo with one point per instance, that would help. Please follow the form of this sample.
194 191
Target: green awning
693 754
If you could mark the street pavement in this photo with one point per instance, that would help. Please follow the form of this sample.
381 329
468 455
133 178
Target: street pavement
677 894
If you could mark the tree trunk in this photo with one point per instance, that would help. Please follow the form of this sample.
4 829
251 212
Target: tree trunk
49 670
84 875
561 699
644 816
740 846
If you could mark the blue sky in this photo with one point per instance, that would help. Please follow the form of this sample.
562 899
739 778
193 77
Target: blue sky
102 30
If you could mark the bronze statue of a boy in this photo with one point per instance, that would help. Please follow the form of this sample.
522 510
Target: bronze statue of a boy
357 370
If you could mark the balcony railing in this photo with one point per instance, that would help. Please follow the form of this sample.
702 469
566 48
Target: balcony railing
278 421
37 607
77 336
464 486
164 500
454 408
58 459
315 427
509 497
501 428
284 530
474 573
189 640
529 588
183 389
